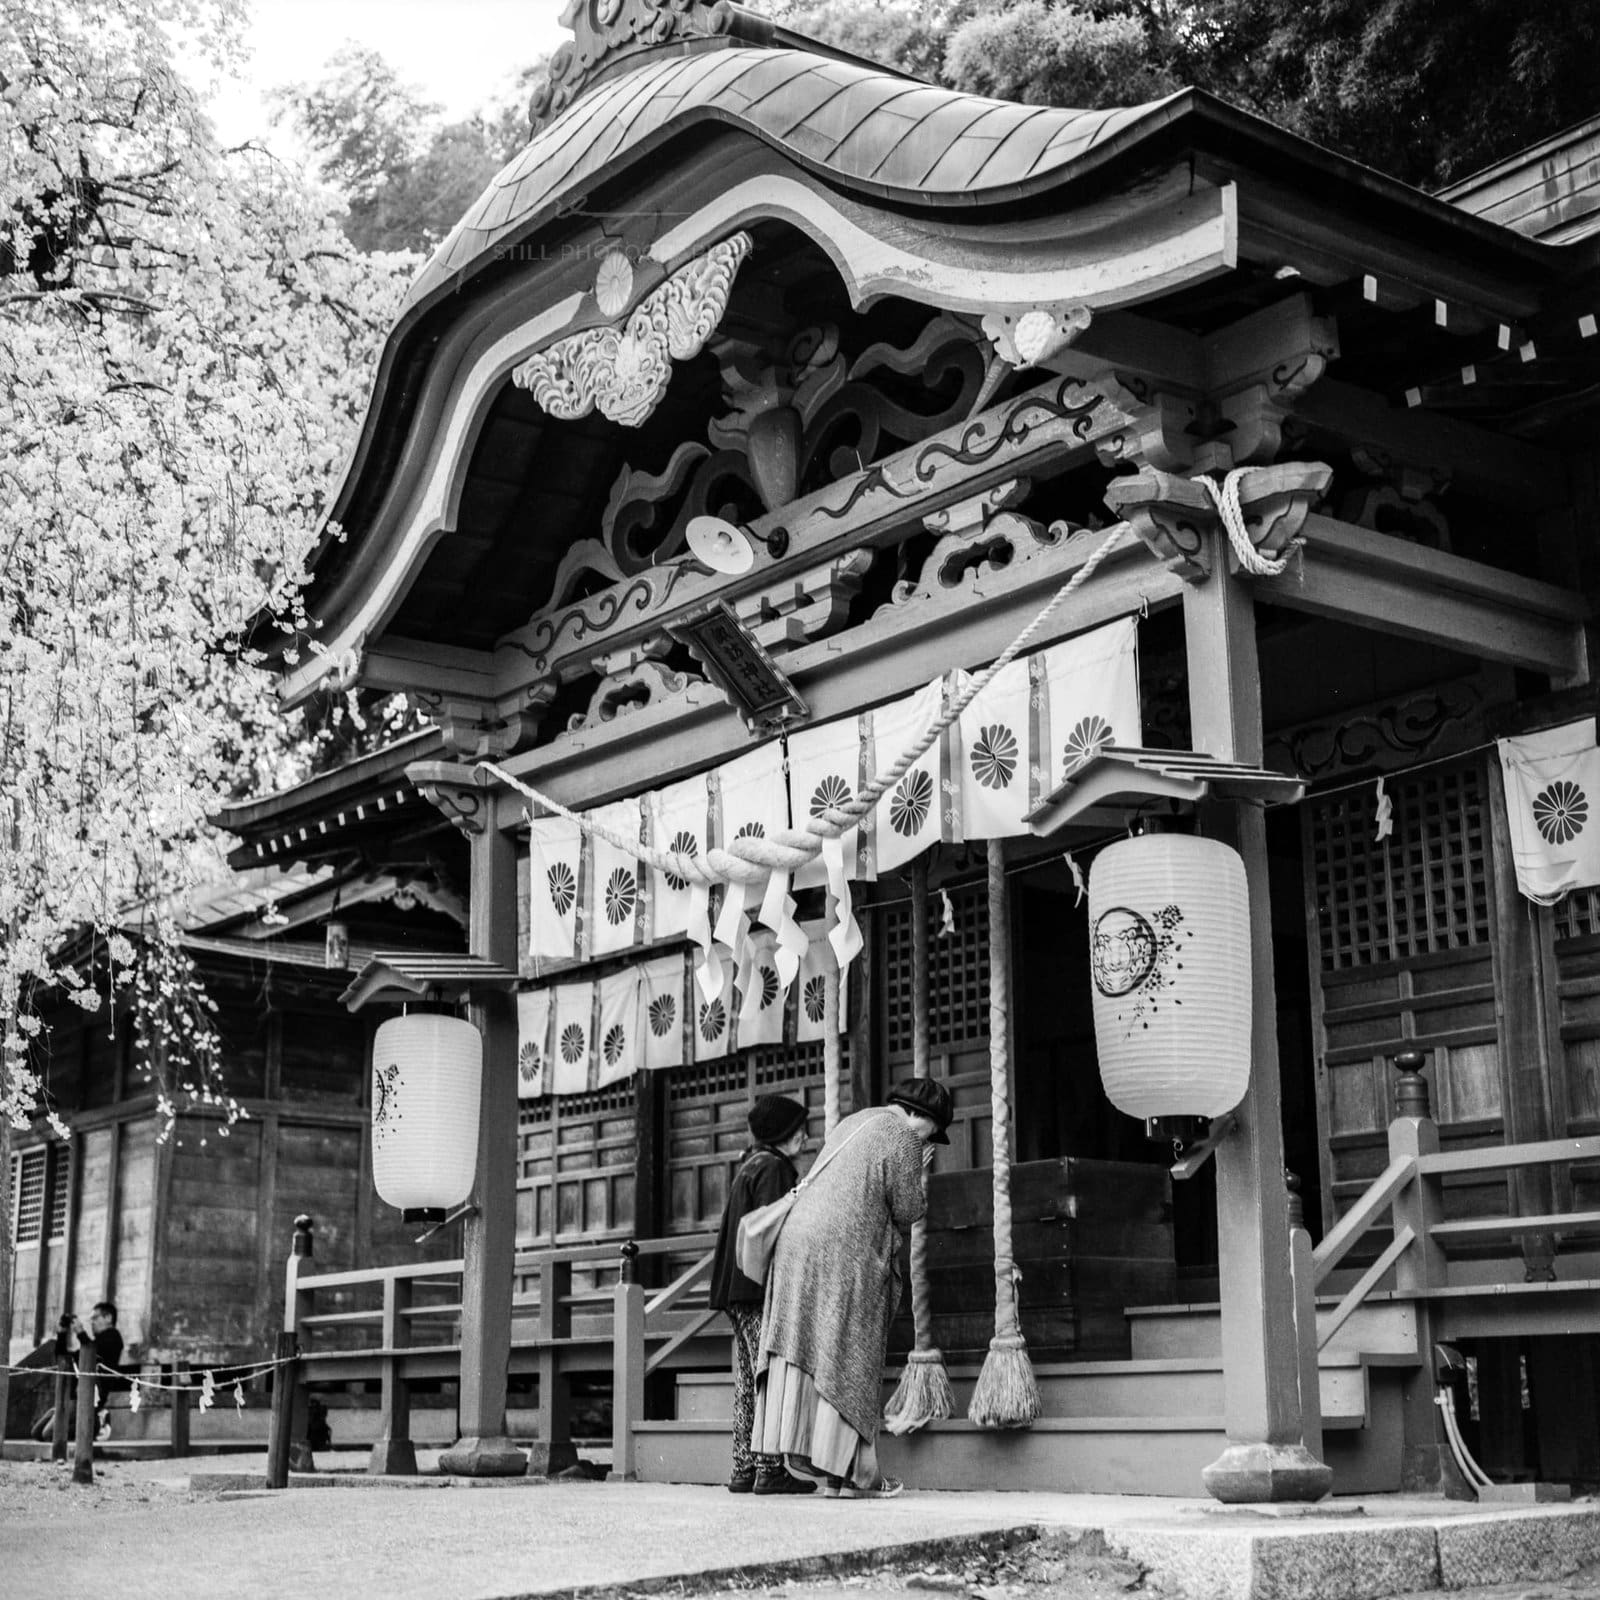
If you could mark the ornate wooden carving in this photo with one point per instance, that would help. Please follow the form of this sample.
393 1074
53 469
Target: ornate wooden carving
1170 514
483 730
605 31
1156 432
630 680
977 535
625 372
455 790
1277 500
1389 735
1029 336
1400 500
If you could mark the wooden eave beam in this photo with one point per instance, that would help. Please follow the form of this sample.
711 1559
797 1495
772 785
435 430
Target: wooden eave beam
1391 586
400 666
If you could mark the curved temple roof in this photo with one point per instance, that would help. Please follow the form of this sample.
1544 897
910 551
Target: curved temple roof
890 135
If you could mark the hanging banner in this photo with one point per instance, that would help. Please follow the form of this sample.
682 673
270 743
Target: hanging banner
614 881
761 994
617 1044
824 771
1552 792
573 1026
677 816
750 798
919 810
533 1042
812 988
1089 689
712 1035
993 751
555 872
666 1010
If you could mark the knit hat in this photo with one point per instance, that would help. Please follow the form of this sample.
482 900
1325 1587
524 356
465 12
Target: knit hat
928 1097
774 1117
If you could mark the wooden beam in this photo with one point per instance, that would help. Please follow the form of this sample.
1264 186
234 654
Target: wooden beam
1388 585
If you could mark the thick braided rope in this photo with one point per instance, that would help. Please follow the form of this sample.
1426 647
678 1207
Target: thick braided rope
921 1300
1226 499
1006 1323
753 857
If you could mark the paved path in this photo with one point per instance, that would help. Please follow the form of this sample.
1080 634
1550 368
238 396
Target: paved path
151 1531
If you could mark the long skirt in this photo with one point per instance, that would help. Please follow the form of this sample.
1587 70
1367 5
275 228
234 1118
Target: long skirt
793 1420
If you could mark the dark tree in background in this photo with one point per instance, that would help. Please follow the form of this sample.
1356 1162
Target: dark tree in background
1426 90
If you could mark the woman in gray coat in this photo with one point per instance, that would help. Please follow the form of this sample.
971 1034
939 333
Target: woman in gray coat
833 1289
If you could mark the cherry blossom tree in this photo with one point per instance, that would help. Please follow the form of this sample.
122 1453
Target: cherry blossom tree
186 339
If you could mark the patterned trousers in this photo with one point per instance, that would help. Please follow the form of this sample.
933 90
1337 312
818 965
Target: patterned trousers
746 1322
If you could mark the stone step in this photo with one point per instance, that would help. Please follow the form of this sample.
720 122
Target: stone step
1378 1327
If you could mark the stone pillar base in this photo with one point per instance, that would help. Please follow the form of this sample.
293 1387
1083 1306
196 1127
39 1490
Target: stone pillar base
546 1460
393 1458
1252 1473
483 1458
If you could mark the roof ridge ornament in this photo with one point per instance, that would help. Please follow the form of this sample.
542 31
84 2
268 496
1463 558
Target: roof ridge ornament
606 31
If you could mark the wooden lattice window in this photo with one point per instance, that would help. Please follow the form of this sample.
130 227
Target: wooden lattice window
27 1196
958 972
1577 916
1422 889
60 1198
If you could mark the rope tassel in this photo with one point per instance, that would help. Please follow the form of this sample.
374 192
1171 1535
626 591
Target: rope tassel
923 1393
1007 1393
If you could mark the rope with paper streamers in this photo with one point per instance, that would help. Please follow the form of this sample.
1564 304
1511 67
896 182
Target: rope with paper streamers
923 1393
754 857
1225 496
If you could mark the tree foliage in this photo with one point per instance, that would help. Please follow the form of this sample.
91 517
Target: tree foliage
185 338
407 177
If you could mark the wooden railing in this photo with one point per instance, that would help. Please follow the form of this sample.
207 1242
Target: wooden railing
400 1326
1408 1196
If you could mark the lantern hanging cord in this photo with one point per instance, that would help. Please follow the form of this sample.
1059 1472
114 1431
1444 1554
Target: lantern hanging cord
751 858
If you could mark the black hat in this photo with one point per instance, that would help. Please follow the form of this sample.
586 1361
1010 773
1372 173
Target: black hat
929 1098
774 1117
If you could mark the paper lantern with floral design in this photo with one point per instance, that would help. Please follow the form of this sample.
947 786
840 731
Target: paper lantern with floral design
427 1081
1169 922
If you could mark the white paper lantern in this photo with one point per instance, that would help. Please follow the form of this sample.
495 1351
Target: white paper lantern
427 1080
1169 919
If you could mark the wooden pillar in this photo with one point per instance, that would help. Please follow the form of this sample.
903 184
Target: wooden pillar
490 1236
1266 1457
393 1452
553 1450
627 1370
83 1446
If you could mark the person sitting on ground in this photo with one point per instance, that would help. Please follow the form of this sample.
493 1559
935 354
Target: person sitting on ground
778 1134
833 1289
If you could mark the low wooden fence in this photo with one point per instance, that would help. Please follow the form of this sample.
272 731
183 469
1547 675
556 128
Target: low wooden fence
400 1326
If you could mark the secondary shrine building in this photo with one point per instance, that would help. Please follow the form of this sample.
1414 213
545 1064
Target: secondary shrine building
764 401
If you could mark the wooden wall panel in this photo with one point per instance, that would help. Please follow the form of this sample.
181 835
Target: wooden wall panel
324 1059
318 1171
134 1228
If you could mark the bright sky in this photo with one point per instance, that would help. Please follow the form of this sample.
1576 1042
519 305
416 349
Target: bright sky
460 53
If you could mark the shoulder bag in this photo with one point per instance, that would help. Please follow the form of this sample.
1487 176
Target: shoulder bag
758 1231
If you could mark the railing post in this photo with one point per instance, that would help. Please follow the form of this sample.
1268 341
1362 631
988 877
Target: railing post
180 1409
288 1447
59 1428
627 1366
1302 1272
394 1453
1413 1133
83 1446
553 1450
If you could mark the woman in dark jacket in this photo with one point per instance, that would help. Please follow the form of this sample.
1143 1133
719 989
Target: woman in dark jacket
778 1135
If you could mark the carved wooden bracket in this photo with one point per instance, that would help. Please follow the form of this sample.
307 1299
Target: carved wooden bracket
483 731
1158 431
461 793
1172 514
625 371
1029 336
632 679
807 606
1400 499
980 535
1276 501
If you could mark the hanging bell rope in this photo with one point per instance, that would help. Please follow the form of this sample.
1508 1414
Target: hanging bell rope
753 857
1007 1393
923 1393
832 1056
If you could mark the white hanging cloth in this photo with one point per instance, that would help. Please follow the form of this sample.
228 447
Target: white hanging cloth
825 770
712 1034
617 1043
533 1042
666 1007
555 883
574 1038
1552 795
1089 693
613 881
994 750
761 994
919 810
751 798
810 1008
